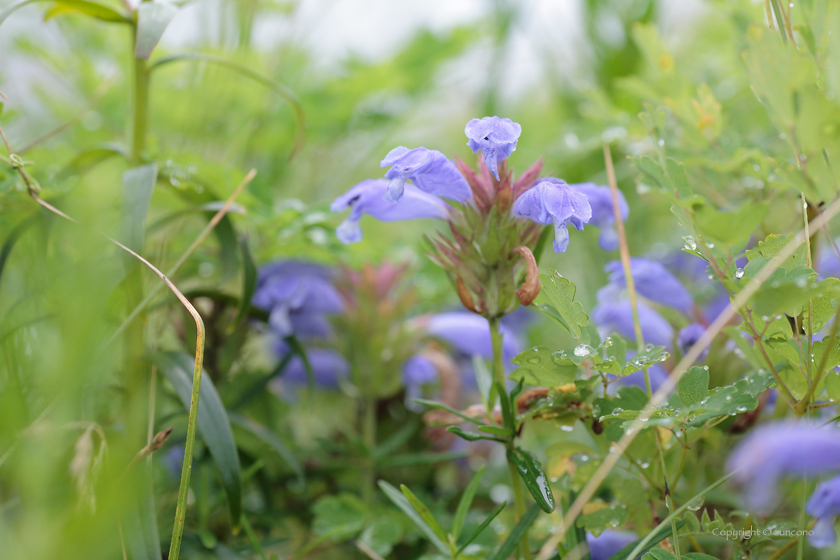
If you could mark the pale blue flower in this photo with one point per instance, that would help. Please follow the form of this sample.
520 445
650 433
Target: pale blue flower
367 197
603 213
654 282
824 505
688 337
551 201
429 170
608 543
615 314
495 137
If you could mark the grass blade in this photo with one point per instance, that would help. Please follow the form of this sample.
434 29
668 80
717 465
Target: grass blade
465 503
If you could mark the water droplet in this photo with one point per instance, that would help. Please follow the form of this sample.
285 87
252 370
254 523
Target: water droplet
608 341
710 245
690 244
661 142
696 504
582 351
567 428
739 273
648 347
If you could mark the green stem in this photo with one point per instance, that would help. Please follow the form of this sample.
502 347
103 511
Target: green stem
140 110
369 438
499 379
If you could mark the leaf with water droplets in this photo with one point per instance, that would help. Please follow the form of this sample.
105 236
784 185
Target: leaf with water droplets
693 385
564 309
531 472
538 367
604 519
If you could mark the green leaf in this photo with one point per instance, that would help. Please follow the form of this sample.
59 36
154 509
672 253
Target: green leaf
497 431
679 179
464 504
652 171
773 244
138 184
657 536
274 442
92 9
339 517
516 534
382 535
698 556
422 458
693 385
603 519
470 437
478 530
249 283
402 502
658 554
731 227
140 524
213 423
531 472
87 159
561 293
152 20
824 306
541 368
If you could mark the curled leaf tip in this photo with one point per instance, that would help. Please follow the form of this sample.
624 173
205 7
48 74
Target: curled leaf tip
530 289
465 296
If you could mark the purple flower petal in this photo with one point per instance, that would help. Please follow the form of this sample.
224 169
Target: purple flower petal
614 314
689 336
824 504
780 449
429 170
608 543
551 201
603 214
469 334
495 137
328 368
654 282
367 198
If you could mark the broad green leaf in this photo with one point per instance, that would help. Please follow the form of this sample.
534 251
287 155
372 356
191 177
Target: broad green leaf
539 367
340 517
561 293
693 385
464 505
824 306
603 519
652 171
531 472
213 423
272 440
382 535
516 534
774 243
679 178
658 554
152 20
93 9
402 502
478 530
731 227
138 184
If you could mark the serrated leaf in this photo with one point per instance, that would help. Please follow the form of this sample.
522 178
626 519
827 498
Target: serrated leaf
560 292
693 385
539 367
152 20
652 170
824 306
731 227
773 244
382 535
679 178
340 517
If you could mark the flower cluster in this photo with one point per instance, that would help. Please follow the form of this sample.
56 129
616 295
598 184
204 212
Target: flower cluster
494 220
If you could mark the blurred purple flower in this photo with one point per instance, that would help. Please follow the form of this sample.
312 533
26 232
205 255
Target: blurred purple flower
367 198
429 170
615 314
469 334
328 367
496 138
417 371
688 337
824 505
782 449
551 201
608 543
603 213
654 282
297 295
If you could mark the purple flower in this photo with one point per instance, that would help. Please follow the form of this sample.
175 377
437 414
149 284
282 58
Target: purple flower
328 367
297 295
429 170
688 337
367 198
608 543
654 282
782 449
469 334
824 505
603 214
495 137
614 314
551 201
418 370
